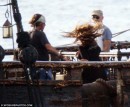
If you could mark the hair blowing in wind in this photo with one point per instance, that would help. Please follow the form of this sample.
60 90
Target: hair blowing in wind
86 33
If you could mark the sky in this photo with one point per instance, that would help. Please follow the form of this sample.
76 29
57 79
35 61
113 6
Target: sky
64 15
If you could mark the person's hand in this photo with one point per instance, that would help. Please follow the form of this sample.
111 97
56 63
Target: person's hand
64 58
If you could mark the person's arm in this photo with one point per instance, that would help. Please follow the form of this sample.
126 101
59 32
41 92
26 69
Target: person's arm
55 51
106 45
47 45
52 49
107 36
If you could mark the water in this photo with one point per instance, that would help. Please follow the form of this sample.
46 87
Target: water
64 15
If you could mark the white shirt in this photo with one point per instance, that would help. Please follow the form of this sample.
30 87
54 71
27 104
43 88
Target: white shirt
100 38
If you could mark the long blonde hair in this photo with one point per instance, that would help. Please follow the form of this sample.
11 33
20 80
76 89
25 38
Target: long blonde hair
86 33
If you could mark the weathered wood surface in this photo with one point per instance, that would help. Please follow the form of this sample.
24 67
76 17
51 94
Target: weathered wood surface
120 65
54 93
56 83
69 64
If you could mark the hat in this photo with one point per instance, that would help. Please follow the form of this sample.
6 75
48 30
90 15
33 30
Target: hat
97 12
41 19
37 18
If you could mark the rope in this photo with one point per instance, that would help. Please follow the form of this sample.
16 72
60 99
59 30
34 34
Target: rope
30 93
6 4
115 34
118 33
34 92
37 92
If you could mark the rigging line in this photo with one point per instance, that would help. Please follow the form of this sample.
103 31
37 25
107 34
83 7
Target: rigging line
37 93
6 4
116 34
7 14
121 32
30 93
12 25
35 97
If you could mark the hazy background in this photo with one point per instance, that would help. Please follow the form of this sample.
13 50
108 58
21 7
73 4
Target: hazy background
64 15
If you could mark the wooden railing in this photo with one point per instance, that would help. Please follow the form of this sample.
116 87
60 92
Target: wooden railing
118 65
115 55
74 47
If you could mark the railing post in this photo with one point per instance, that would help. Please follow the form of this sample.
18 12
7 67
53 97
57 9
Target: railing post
119 52
120 85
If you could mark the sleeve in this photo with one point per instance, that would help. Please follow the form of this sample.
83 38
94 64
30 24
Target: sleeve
44 39
107 35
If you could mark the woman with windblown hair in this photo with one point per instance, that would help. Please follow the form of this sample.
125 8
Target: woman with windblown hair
88 50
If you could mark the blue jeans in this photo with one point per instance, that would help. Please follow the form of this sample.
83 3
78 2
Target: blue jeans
45 74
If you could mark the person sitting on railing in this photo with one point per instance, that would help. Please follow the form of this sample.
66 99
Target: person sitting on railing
40 41
88 50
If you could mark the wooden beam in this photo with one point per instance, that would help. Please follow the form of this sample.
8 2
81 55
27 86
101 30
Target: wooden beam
69 64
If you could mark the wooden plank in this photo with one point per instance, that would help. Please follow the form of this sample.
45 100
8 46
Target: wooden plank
68 64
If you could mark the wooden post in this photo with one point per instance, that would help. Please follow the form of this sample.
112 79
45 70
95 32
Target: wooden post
120 95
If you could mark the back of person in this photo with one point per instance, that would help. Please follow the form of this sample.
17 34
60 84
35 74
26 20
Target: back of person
91 53
88 50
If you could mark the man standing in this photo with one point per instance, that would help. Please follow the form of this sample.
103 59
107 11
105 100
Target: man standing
104 41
